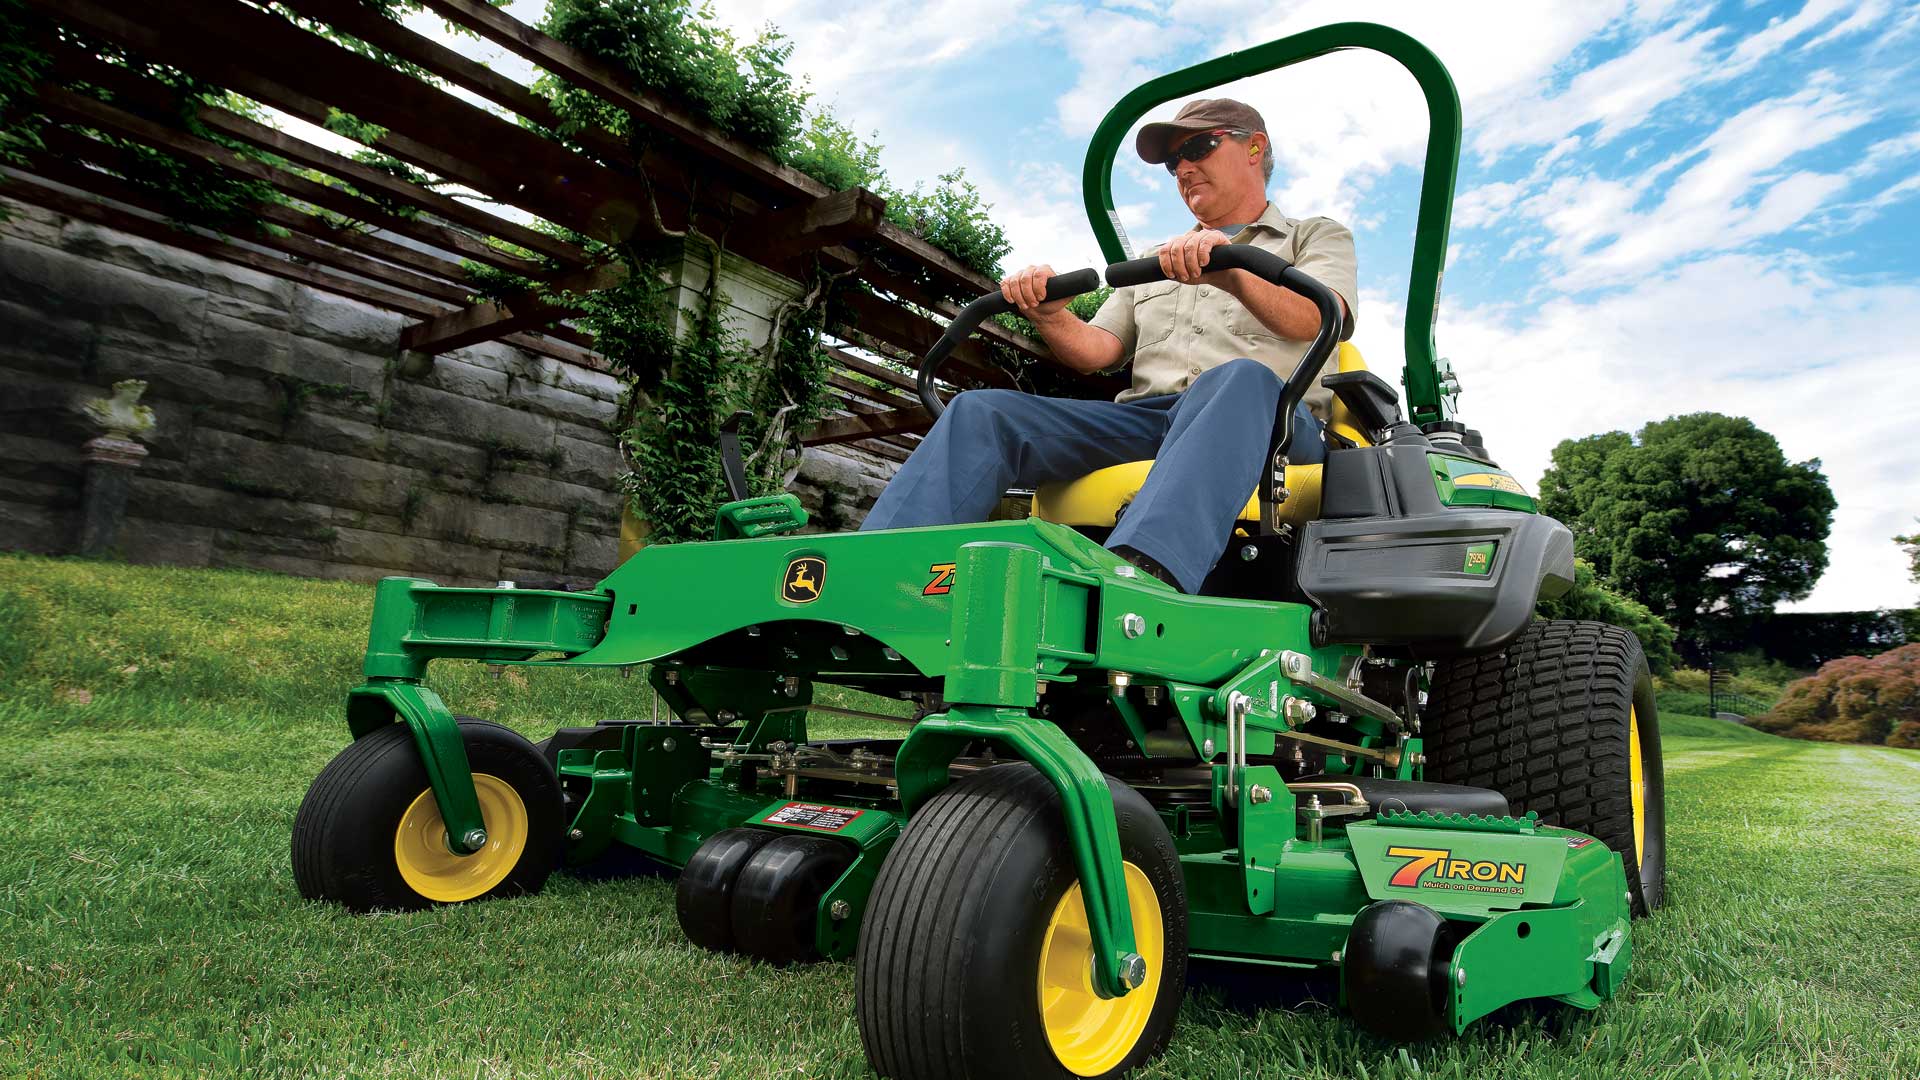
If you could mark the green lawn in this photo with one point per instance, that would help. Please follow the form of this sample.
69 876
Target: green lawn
164 725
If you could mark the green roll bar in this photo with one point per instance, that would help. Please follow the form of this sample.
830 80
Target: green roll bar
1425 395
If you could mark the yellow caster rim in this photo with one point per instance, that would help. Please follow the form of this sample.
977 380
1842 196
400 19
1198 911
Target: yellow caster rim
431 869
1637 786
1089 1034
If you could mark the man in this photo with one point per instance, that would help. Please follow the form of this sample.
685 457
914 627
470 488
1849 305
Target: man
1209 350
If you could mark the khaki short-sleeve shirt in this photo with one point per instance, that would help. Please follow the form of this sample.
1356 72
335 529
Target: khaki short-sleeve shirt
1173 332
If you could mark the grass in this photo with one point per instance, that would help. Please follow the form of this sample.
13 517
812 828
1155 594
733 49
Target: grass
162 726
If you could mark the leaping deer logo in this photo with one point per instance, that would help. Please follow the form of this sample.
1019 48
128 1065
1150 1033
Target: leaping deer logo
806 576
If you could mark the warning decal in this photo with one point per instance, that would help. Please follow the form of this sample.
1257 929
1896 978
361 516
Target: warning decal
809 816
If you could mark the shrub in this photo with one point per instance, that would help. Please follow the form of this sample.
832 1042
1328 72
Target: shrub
1588 599
1854 699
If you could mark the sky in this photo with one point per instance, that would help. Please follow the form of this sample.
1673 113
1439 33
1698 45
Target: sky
1662 207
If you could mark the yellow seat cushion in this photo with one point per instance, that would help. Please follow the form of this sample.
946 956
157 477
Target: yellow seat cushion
1097 498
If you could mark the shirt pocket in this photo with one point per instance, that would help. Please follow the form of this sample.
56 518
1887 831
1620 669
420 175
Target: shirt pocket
1245 326
1155 307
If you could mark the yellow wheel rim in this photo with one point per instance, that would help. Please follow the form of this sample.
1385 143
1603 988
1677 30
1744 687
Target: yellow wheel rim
431 869
1637 785
1088 1033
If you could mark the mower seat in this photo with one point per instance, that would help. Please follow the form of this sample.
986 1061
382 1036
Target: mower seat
1415 796
1097 499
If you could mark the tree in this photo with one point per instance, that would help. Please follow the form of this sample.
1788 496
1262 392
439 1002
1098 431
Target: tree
1866 699
1701 515
1911 544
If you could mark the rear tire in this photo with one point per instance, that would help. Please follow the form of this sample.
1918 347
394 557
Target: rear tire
1553 723
369 834
970 939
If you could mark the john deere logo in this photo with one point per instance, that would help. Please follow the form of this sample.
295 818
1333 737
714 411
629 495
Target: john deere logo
806 576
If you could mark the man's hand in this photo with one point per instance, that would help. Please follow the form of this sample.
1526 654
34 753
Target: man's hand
1027 290
1184 258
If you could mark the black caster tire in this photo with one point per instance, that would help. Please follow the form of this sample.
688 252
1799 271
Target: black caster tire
1396 969
703 895
974 959
1562 722
369 835
776 899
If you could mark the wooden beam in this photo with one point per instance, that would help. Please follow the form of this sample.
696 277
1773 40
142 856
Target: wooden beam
489 320
869 391
444 134
90 112
868 425
783 183
818 223
872 370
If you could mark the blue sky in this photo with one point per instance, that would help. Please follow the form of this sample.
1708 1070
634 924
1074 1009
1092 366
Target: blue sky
1663 207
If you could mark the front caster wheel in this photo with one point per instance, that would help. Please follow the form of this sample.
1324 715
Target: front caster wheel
975 958
1396 966
369 833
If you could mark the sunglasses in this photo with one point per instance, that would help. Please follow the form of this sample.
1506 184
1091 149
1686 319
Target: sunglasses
1200 146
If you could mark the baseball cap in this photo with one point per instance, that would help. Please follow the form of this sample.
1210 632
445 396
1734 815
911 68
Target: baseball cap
1200 114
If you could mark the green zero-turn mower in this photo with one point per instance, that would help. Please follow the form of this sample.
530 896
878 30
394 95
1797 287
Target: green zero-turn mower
1355 750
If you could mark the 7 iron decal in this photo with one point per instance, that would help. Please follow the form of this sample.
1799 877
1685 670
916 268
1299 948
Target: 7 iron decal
1459 875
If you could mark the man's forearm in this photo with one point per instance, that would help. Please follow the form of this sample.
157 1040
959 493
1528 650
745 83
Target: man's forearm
1076 344
1283 311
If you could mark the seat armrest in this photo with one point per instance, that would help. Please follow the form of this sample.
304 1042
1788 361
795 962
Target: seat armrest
1368 398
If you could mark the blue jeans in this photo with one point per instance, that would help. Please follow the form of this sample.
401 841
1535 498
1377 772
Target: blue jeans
1209 446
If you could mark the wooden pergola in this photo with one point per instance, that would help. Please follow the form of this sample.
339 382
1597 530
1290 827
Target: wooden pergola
685 175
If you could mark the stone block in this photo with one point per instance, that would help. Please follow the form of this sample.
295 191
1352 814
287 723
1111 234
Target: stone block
166 262
187 382
257 467
424 410
535 488
438 458
493 525
42 530
125 306
314 427
595 552
237 345
235 512
30 223
416 555
346 322
557 402
36 339
591 462
173 543
457 376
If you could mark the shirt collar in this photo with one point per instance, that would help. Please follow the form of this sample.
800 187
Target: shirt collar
1270 219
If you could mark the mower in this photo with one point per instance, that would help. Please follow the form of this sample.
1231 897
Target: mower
1354 751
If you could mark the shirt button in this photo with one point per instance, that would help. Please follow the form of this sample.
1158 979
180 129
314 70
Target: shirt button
1195 369
1199 329
1203 290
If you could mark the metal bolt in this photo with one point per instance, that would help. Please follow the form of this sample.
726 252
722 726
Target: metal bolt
1248 552
1338 956
850 631
1040 687
494 671
504 585
1125 570
667 744
1133 625
1206 748
475 839
673 677
753 631
627 672
793 686
726 716
837 652
1460 976
1133 971
1119 680
890 654
839 910
576 834
1259 793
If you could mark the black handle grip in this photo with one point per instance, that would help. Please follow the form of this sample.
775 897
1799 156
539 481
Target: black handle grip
1059 287
1273 268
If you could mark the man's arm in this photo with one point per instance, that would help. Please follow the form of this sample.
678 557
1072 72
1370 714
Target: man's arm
1281 310
1075 344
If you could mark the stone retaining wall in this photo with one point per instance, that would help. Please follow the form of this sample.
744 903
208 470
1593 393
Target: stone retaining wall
287 441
